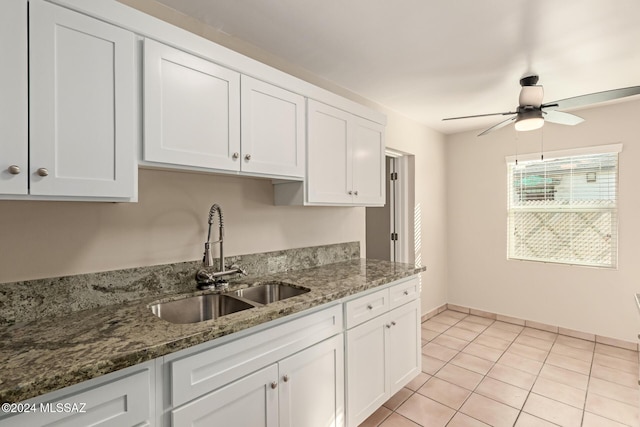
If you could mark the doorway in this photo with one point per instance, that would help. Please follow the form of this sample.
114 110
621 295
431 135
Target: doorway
387 228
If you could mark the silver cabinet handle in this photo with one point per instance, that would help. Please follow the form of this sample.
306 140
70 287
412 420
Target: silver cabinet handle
393 323
42 172
350 193
235 155
406 292
355 192
369 306
14 169
285 378
388 326
274 384
247 157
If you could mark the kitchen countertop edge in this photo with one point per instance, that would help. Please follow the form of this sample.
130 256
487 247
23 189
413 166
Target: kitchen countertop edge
99 341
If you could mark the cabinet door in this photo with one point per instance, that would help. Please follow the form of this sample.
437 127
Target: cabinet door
312 386
250 401
191 110
273 129
328 154
367 355
405 359
368 162
82 105
13 102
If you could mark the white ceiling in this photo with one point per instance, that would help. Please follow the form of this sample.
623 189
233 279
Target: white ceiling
431 59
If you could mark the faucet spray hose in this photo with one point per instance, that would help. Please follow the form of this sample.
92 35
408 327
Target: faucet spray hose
208 259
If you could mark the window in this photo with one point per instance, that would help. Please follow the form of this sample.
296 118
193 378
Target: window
564 209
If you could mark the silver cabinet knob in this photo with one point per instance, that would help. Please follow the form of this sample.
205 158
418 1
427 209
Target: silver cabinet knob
42 172
247 157
350 192
274 384
393 323
285 378
355 193
14 169
369 306
406 292
235 155
388 326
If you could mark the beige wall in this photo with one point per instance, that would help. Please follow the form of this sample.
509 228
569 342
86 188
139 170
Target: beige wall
430 217
168 224
593 300
49 239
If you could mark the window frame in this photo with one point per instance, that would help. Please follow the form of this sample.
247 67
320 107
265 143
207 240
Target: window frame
552 209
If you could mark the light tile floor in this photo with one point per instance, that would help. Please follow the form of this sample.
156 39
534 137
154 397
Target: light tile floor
481 372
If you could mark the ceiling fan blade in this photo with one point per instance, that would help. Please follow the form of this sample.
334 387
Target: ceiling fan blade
481 115
592 98
554 116
498 126
531 95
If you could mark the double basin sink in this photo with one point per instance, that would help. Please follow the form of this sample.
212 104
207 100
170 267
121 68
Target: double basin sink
212 306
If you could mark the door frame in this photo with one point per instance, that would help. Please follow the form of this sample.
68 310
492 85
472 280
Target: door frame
400 206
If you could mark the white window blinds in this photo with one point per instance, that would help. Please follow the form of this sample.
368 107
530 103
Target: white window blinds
564 209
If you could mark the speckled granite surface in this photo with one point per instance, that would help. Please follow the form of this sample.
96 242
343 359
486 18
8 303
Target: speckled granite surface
53 352
35 299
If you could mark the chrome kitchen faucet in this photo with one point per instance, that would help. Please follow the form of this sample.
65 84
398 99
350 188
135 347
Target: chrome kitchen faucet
205 278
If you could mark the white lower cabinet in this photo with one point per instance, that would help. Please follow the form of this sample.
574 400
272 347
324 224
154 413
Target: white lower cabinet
305 389
405 358
288 375
122 398
383 355
312 386
250 401
367 355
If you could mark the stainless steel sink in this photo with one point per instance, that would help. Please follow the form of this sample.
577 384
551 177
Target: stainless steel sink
266 293
199 308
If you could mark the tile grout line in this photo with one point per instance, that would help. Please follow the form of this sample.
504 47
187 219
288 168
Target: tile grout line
521 333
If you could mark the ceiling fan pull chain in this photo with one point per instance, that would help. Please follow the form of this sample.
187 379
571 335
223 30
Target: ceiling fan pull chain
542 144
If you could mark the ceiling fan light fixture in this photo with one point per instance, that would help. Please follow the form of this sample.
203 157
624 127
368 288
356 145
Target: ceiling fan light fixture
529 120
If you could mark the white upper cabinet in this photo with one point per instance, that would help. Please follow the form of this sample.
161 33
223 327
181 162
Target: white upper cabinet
329 171
14 164
82 105
80 89
198 114
368 163
273 129
191 110
345 160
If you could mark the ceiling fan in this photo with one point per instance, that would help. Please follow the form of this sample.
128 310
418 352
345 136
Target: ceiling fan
532 113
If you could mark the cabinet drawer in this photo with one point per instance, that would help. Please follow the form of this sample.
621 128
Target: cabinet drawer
200 373
404 292
366 307
121 402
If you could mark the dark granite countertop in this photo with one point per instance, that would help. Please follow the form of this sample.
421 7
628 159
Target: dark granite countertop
54 352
